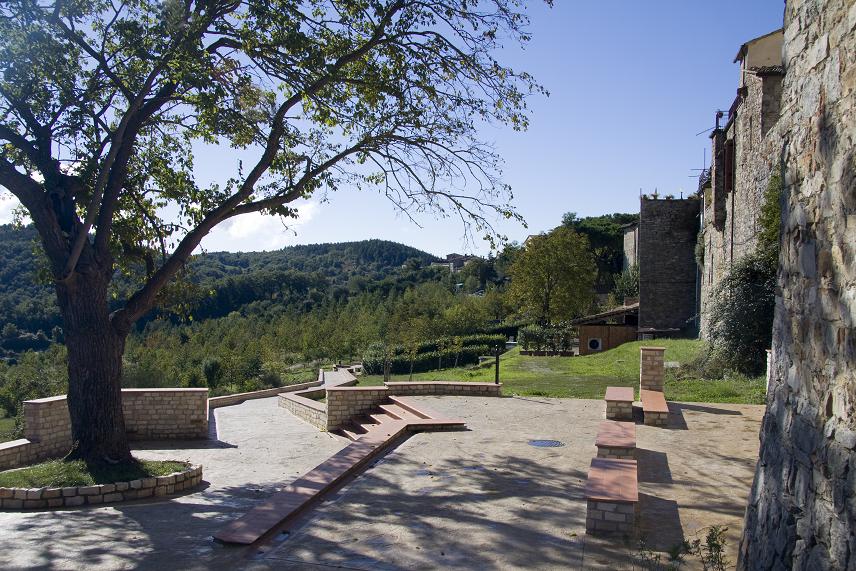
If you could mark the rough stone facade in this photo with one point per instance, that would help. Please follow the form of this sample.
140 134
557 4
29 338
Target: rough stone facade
667 267
150 414
631 246
743 157
802 508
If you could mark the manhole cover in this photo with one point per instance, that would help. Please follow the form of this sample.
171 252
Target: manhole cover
546 443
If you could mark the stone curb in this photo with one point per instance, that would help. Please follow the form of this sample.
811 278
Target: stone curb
42 498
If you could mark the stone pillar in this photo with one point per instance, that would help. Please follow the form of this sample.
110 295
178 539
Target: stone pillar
651 373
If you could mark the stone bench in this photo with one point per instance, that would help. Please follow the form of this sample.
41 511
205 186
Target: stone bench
654 408
612 496
616 440
619 403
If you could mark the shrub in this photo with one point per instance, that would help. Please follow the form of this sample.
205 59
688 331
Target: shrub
546 337
425 361
740 321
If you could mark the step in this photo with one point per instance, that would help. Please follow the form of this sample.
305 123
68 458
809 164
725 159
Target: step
351 431
399 412
309 488
381 417
419 410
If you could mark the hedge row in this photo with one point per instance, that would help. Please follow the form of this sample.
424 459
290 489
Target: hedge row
546 338
400 364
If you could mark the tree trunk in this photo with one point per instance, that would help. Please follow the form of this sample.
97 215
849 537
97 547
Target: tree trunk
95 351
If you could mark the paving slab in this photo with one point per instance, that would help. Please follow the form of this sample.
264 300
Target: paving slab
476 499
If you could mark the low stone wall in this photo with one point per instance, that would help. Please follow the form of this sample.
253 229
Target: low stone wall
150 414
656 418
40 498
302 405
651 368
619 410
345 403
445 388
165 414
229 400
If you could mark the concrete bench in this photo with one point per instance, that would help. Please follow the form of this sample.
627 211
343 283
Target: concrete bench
616 440
654 408
619 403
612 496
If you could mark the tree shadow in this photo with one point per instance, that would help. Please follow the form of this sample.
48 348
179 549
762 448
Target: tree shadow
659 522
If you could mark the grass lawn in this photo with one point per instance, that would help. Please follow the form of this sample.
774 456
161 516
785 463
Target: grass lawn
57 473
7 427
588 376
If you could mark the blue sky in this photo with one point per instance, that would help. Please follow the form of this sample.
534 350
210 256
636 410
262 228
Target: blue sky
631 83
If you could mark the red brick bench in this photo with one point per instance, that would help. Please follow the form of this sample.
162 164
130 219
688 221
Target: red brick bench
619 403
616 440
612 496
654 408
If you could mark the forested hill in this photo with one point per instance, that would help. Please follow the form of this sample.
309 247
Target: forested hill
294 275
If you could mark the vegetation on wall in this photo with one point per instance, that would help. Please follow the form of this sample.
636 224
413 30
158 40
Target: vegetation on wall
740 319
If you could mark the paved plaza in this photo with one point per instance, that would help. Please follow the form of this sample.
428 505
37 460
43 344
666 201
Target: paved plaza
483 498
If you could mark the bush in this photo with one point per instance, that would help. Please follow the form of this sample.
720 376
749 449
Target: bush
546 337
740 323
426 361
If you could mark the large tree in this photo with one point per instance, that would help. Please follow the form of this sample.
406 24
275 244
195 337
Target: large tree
553 277
103 101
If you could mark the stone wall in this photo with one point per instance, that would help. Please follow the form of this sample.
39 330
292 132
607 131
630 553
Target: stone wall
730 216
229 400
165 414
449 388
802 508
305 406
346 403
150 414
667 267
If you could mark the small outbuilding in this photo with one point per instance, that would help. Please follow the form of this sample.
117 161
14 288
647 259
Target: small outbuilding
608 329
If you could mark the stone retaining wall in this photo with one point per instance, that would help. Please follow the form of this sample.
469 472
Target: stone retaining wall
40 498
651 368
229 400
302 405
346 403
150 414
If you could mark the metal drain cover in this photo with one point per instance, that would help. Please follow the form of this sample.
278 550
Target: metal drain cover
546 443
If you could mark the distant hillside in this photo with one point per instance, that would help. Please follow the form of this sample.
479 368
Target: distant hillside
294 276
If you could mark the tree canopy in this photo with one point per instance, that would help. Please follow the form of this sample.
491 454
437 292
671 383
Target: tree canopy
102 103
553 276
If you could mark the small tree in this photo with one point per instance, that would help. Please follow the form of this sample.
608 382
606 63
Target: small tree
553 277
627 284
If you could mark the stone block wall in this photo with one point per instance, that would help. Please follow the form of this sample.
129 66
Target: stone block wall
619 410
651 368
229 400
345 403
150 414
802 507
303 405
610 517
165 414
667 266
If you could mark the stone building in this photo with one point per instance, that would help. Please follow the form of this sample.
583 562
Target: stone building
631 245
742 159
802 508
668 298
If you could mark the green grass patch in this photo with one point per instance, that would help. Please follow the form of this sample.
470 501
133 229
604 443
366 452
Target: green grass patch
588 376
59 473
7 429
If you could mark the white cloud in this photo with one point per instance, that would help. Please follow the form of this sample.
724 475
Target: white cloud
256 231
8 204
